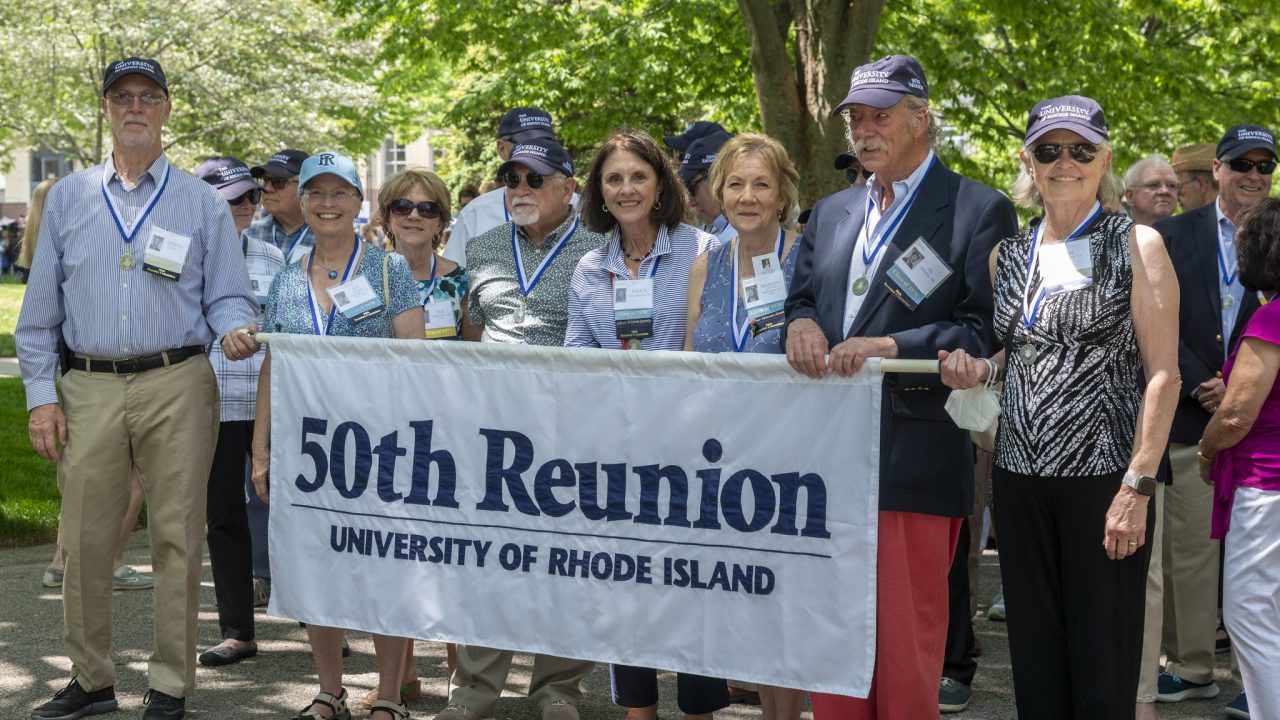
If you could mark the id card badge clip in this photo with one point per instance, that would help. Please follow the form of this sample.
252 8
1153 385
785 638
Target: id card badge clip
765 294
355 299
165 253
440 317
633 310
916 274
261 286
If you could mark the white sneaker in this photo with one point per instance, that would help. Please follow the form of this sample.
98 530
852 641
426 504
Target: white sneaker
996 612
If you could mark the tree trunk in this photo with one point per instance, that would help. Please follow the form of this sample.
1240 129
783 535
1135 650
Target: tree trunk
797 88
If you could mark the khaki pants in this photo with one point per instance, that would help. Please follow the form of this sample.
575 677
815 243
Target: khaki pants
1190 571
1153 621
482 672
164 422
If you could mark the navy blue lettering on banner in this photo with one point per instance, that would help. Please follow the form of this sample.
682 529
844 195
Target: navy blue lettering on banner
615 493
423 458
557 473
338 455
789 485
388 450
677 487
731 501
313 426
495 474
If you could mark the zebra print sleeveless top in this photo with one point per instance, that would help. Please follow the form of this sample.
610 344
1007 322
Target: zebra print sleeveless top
1073 408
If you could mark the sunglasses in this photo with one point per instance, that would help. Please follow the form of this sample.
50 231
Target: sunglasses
1047 153
512 180
403 207
254 196
278 183
851 175
1242 166
120 97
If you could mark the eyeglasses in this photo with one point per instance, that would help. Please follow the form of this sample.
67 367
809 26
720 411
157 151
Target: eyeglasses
316 197
1047 153
1158 185
121 97
1240 165
403 206
534 180
254 196
278 183
851 175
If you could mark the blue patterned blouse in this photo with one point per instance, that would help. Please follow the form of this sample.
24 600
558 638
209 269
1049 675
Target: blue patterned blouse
714 331
289 304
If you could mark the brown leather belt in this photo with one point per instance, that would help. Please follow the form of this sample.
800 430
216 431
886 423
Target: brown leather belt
128 366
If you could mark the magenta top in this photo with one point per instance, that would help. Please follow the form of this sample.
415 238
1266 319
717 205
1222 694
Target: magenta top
1254 461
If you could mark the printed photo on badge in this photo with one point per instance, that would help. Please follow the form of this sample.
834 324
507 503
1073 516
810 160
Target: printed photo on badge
341 298
157 243
620 295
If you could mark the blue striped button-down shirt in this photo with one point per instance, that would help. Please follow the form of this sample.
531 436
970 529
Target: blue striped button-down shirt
77 289
591 322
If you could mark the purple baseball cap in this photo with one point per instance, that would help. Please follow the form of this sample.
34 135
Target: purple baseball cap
885 82
541 156
1077 113
227 175
1240 139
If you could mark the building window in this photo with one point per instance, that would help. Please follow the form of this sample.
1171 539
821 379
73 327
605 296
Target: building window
45 164
393 158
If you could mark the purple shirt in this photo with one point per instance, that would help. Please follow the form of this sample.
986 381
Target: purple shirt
1254 461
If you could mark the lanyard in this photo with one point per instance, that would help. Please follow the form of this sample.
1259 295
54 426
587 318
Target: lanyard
877 238
316 312
1228 278
1031 303
527 285
302 234
741 331
146 209
430 287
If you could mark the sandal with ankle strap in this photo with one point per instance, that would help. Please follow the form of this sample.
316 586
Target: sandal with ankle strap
337 704
396 711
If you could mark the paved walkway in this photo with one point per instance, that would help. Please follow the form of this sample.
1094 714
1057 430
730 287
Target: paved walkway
9 367
281 679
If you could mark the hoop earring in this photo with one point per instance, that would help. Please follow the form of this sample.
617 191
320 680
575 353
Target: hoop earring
657 205
604 207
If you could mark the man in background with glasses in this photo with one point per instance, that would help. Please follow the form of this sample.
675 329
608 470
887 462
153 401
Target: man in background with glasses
281 224
137 389
520 273
1151 190
1197 186
1215 308
518 125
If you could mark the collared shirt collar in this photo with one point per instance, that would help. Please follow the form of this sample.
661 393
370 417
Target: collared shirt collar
901 188
719 224
616 264
155 172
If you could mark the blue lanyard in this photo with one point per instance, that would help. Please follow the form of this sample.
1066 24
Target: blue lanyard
741 331
315 306
146 211
1031 303
527 285
289 252
1228 278
883 233
430 287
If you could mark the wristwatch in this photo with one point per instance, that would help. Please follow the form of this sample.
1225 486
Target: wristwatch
1141 484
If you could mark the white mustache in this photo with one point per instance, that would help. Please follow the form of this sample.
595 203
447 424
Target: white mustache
860 146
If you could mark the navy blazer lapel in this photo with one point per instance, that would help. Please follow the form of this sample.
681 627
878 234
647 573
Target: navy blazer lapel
844 245
922 221
1206 253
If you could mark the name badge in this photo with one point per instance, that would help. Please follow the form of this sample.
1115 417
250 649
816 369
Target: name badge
633 308
765 294
261 286
165 253
916 274
355 299
1066 266
441 319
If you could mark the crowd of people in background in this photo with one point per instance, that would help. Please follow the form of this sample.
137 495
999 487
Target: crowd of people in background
1125 451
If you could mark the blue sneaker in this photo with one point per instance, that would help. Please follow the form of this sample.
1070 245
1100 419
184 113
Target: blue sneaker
1171 689
1238 708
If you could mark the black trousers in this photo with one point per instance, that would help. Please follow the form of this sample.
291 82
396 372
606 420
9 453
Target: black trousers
958 662
230 547
1075 617
636 687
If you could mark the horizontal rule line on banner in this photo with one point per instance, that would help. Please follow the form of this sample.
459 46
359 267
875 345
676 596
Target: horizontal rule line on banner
559 532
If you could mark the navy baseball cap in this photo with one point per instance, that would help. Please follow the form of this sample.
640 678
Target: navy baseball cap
1077 113
701 154
329 163
134 66
521 124
284 164
885 82
695 131
541 156
228 175
1240 139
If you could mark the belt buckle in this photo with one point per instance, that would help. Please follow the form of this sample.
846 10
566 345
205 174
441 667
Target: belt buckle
125 367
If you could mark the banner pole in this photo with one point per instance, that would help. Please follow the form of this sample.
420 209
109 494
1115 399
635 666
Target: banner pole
263 338
906 366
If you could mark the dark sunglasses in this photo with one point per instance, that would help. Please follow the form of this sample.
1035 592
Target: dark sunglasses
403 207
1083 153
254 196
278 183
512 180
1240 165
851 175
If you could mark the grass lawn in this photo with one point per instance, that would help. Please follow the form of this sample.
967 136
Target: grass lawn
11 291
28 491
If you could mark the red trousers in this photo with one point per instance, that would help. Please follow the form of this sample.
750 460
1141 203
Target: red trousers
912 561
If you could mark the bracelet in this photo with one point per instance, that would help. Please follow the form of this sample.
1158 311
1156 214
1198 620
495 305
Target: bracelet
1204 460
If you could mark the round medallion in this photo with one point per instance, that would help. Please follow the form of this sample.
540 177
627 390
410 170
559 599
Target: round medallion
1028 353
860 285
1228 302
518 315
128 261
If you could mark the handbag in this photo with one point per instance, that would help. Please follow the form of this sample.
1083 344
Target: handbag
977 409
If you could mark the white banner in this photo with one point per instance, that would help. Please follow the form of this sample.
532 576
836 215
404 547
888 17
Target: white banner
713 514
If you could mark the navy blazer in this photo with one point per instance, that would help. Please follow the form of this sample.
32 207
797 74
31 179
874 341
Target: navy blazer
1192 241
926 462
